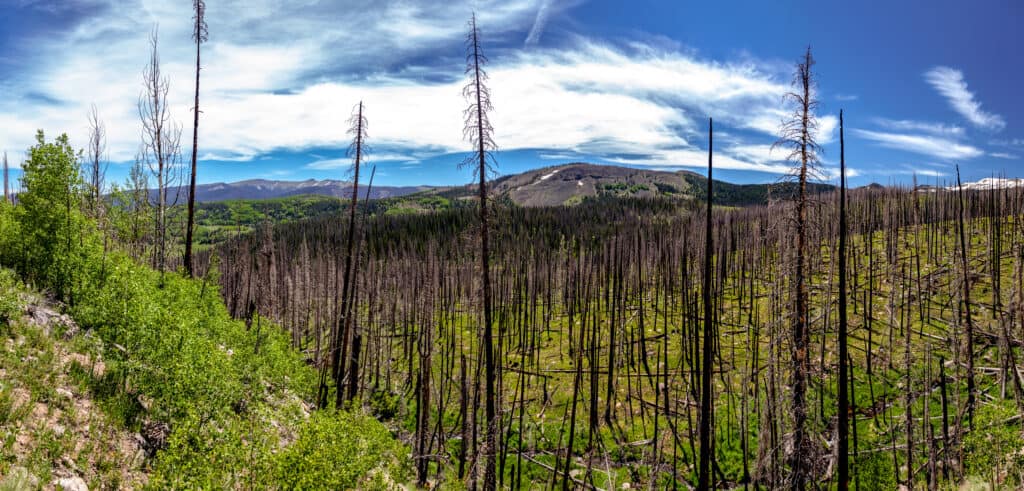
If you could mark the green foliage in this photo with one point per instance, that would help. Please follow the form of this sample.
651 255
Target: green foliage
50 224
252 212
9 233
401 210
385 405
9 289
338 451
617 186
996 451
875 471
666 188
234 398
729 194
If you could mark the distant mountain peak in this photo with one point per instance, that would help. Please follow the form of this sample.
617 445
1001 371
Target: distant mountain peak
268 189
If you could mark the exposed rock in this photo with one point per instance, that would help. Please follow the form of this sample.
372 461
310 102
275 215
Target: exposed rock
73 483
48 318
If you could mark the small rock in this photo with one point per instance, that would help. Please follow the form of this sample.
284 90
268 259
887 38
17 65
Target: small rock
73 483
67 394
58 430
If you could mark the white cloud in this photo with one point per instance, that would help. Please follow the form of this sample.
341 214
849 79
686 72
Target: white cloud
1003 155
328 164
284 77
539 23
699 159
832 173
950 83
933 146
920 126
929 173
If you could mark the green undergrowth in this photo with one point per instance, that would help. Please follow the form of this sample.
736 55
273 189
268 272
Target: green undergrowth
236 400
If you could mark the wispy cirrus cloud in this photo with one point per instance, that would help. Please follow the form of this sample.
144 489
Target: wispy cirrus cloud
950 83
907 125
930 145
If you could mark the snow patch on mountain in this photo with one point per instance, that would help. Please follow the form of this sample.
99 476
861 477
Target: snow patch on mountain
992 183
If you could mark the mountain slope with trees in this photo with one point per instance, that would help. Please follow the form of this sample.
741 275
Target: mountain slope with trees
217 402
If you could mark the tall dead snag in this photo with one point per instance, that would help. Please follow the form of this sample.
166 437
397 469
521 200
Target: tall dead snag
844 401
200 34
353 328
966 284
95 167
339 335
798 135
161 139
479 131
707 354
7 189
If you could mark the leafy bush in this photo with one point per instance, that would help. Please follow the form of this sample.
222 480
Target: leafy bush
9 306
995 450
384 404
341 451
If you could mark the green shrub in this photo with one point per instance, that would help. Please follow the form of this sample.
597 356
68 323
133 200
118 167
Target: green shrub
385 405
995 450
340 451
10 307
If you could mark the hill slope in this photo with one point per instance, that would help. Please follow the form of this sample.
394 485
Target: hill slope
566 184
570 183
266 189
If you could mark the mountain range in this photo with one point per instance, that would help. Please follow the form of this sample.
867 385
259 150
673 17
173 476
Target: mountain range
267 189
549 186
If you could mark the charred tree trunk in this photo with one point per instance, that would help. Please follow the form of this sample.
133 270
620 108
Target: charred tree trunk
199 35
844 402
707 354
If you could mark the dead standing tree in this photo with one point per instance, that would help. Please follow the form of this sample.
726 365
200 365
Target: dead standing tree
797 134
200 34
479 131
95 167
7 189
707 355
339 335
844 402
966 301
161 139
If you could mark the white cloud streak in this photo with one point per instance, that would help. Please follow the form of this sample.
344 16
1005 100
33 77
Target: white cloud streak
930 145
950 83
905 125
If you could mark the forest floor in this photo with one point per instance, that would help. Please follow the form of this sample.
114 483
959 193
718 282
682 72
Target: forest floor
54 434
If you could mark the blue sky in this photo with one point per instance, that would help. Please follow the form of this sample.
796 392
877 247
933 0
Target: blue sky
924 86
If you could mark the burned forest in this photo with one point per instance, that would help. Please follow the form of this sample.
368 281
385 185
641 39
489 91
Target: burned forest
565 295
